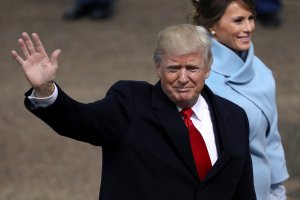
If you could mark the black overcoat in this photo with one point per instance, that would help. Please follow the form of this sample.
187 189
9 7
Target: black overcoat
145 144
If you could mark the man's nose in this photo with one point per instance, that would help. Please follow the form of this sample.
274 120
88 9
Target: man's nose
183 76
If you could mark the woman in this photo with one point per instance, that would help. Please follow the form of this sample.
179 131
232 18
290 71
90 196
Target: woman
238 75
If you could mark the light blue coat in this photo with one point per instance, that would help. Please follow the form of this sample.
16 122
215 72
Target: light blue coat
251 85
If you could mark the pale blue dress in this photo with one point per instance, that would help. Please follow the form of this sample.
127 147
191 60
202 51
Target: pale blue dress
250 84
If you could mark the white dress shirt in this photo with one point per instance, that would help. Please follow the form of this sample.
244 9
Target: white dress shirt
202 121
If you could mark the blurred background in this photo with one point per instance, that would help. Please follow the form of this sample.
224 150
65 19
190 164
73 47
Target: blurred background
36 163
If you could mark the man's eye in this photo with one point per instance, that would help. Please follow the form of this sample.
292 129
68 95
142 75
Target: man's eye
172 69
193 69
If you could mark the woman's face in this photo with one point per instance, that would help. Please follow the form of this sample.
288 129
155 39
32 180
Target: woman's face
235 27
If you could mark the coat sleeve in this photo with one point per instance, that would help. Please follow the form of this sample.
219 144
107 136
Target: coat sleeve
275 152
103 122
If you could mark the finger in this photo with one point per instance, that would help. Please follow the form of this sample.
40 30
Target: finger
23 48
28 43
18 58
38 44
54 56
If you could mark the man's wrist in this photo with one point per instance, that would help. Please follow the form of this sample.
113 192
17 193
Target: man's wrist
45 90
43 101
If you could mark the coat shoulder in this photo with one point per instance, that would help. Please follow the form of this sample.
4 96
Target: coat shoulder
132 85
225 107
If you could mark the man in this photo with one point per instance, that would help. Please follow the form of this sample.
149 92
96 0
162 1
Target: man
149 143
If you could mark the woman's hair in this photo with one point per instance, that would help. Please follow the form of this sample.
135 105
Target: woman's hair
182 39
208 12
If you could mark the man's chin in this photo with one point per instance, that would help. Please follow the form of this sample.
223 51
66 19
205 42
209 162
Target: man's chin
184 102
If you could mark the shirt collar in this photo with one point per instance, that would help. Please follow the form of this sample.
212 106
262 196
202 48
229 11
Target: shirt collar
199 108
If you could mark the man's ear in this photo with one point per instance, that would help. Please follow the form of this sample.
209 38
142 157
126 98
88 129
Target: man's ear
157 70
206 75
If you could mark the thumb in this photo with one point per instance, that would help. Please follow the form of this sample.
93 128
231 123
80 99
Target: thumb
54 56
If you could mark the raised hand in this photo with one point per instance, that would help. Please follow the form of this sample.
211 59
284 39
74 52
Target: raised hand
39 69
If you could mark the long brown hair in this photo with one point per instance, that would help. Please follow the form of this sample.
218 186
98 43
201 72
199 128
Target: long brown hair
208 12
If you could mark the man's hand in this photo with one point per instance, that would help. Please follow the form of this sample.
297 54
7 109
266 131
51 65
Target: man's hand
39 69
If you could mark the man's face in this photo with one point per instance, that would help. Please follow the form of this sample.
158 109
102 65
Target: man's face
182 77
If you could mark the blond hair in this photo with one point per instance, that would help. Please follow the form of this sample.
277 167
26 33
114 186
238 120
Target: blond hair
182 39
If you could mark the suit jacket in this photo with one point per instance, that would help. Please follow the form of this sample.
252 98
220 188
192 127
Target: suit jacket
145 144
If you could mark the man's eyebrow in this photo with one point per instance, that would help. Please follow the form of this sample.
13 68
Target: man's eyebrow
193 65
173 66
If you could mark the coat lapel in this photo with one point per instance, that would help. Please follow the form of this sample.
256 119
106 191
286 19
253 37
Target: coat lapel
220 131
171 120
177 132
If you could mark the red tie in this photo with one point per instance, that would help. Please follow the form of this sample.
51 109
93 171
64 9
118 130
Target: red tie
201 156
